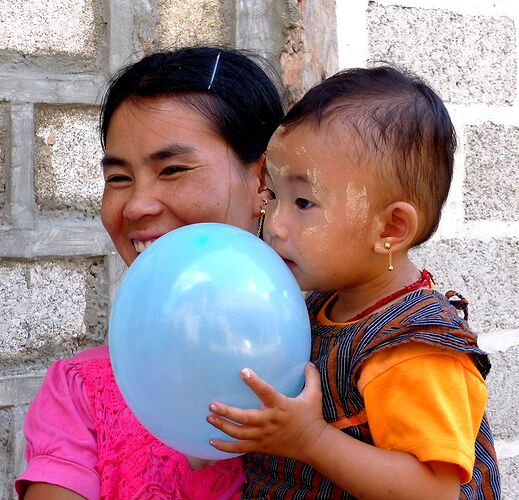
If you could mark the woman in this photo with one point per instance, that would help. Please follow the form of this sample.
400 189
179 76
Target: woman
184 135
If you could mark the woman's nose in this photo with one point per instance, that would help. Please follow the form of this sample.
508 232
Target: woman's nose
141 204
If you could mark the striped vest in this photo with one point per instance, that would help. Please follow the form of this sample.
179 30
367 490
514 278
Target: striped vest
339 352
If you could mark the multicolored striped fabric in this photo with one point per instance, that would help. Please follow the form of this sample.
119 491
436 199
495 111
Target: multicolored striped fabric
338 352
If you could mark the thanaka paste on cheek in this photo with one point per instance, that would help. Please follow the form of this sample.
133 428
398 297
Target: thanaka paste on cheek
357 207
309 231
377 226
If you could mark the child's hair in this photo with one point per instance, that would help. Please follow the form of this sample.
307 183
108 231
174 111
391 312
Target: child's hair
401 122
234 92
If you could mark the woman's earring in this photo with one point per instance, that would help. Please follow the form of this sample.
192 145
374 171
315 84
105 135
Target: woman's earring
259 233
388 246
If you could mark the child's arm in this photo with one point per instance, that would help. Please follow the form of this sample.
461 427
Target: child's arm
295 427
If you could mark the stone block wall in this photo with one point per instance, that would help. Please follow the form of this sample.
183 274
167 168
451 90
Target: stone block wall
58 269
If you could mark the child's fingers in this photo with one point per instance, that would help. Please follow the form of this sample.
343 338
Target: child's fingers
312 381
237 415
265 392
232 446
234 430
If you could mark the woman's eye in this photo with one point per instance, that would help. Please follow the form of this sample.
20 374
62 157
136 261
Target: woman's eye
304 204
172 170
117 179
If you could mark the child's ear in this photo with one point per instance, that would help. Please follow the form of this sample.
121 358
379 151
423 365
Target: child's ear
400 225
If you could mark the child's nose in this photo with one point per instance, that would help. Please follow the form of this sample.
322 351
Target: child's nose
275 225
141 204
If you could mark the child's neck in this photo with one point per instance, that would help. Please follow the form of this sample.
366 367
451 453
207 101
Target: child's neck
352 301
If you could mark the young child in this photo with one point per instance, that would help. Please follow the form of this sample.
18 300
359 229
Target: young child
357 175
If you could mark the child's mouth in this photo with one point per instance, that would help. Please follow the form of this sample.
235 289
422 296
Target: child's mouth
290 263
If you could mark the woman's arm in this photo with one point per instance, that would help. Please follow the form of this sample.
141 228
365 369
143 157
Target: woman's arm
294 427
39 491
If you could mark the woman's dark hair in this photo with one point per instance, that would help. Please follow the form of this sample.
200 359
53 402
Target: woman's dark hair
236 94
401 122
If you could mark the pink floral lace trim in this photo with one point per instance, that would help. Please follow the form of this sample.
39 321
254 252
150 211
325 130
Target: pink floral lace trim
133 464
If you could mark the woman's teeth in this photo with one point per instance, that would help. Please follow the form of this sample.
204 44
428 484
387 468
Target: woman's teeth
141 245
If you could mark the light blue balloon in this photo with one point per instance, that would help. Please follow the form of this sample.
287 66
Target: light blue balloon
197 306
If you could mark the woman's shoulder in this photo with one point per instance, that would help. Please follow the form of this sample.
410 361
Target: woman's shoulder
99 352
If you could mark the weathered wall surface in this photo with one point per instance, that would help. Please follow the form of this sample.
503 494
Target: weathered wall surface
58 270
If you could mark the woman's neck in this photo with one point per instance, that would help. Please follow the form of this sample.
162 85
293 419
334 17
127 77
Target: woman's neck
352 301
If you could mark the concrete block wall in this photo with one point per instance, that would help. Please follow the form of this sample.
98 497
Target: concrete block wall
58 270
468 52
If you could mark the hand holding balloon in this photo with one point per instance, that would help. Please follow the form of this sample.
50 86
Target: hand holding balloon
195 308
286 427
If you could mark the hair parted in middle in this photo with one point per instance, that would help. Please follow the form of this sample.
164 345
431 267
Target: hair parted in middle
403 126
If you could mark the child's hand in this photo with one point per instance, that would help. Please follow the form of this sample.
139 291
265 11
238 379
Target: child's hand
282 426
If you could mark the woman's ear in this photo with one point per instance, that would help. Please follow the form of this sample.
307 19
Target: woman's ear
399 228
257 173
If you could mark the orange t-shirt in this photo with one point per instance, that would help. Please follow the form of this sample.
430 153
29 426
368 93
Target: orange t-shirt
423 400
426 401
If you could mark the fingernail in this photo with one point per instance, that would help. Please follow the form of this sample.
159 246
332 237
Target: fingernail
311 364
211 442
246 373
212 407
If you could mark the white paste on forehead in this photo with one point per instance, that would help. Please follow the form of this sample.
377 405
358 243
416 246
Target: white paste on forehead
322 194
275 143
276 171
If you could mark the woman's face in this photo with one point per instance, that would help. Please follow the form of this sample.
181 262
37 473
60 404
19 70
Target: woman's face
165 167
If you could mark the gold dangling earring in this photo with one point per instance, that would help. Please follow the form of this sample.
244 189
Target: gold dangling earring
259 233
388 246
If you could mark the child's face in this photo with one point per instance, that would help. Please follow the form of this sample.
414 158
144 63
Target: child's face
322 212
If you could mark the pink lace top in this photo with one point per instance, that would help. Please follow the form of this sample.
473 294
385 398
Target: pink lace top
127 462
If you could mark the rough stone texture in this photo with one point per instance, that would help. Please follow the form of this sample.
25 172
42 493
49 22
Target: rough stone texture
49 309
509 470
3 150
6 469
491 189
310 52
468 59
208 22
503 390
48 27
485 272
67 175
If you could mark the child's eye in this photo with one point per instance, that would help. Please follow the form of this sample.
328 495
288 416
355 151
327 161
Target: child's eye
304 204
172 170
270 195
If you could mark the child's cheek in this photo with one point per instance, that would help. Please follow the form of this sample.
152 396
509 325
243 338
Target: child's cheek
357 208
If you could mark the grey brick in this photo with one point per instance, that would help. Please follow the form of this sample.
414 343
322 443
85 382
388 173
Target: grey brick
503 391
49 27
68 177
209 22
49 309
468 59
509 470
6 452
485 272
491 188
3 150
